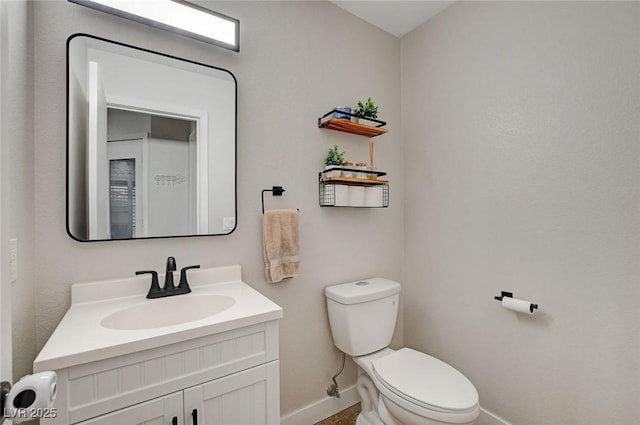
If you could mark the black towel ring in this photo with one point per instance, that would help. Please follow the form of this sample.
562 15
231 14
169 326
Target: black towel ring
277 191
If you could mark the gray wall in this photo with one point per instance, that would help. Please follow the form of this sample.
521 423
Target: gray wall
292 68
521 129
17 175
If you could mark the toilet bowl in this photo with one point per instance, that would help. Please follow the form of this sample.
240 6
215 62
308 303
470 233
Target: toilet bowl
417 389
403 387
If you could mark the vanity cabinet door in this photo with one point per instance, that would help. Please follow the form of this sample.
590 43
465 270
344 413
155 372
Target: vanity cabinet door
161 411
250 397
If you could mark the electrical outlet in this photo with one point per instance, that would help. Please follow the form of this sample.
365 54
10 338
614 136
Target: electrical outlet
13 259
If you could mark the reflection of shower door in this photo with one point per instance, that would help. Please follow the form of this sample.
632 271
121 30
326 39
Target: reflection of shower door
126 188
122 198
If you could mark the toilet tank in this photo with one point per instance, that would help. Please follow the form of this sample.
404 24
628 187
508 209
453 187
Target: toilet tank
363 314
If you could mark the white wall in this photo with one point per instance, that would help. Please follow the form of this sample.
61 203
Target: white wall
17 175
521 127
297 60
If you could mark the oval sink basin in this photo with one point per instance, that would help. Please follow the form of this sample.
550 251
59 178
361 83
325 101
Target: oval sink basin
168 311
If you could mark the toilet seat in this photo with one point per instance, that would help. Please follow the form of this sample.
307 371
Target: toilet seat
425 384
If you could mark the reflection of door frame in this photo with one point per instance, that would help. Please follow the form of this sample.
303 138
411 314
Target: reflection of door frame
142 179
5 296
97 170
201 142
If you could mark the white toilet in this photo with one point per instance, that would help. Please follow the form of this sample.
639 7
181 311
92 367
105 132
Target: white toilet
404 387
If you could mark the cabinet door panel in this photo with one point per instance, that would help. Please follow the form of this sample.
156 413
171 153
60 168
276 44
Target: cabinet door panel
160 411
250 397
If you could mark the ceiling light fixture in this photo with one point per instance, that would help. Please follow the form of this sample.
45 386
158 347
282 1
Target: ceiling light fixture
178 16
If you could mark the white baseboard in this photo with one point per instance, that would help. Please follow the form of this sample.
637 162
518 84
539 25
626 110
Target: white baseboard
322 409
329 406
488 418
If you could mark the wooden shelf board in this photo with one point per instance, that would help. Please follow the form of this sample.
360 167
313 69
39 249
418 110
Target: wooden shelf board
352 180
352 127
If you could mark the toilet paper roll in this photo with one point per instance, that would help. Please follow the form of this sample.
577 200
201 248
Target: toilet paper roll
356 196
32 397
373 196
519 306
342 195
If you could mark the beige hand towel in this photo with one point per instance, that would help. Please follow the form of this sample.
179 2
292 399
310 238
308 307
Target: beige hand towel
281 244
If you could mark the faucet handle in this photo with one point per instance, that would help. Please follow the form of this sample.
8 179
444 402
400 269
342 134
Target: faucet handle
155 286
168 277
171 264
183 277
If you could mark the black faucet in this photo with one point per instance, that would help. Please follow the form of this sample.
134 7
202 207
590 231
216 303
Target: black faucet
168 275
169 288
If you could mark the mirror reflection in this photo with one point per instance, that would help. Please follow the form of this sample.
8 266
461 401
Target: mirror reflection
151 144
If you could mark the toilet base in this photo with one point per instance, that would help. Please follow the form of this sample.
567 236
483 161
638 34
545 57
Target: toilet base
391 413
368 401
361 420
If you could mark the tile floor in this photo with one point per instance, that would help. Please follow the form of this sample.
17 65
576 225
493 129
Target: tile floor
346 417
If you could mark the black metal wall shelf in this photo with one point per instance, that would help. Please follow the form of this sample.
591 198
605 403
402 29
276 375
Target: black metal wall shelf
323 174
336 191
353 187
368 127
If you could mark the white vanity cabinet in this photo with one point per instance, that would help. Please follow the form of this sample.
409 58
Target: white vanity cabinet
229 378
242 398
161 411
159 364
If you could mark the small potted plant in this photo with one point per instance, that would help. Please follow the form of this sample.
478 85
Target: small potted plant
334 158
367 109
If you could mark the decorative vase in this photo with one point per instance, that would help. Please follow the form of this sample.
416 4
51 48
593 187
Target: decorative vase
330 172
341 116
348 173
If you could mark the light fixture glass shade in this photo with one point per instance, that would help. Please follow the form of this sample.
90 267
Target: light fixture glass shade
175 15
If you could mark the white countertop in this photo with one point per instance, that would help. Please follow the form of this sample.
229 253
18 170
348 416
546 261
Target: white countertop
80 338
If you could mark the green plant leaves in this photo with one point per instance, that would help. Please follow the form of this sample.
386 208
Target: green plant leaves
367 109
334 156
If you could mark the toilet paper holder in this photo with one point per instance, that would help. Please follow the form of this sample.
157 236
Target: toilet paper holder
32 397
503 294
510 295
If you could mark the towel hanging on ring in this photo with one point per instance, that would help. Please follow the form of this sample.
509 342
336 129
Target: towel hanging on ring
281 243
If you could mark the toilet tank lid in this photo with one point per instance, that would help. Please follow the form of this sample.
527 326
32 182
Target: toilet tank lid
362 290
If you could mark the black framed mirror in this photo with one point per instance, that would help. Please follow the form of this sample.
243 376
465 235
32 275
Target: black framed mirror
151 144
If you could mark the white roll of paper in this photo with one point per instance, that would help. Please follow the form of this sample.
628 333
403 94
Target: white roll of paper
32 397
342 195
519 306
356 196
373 196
